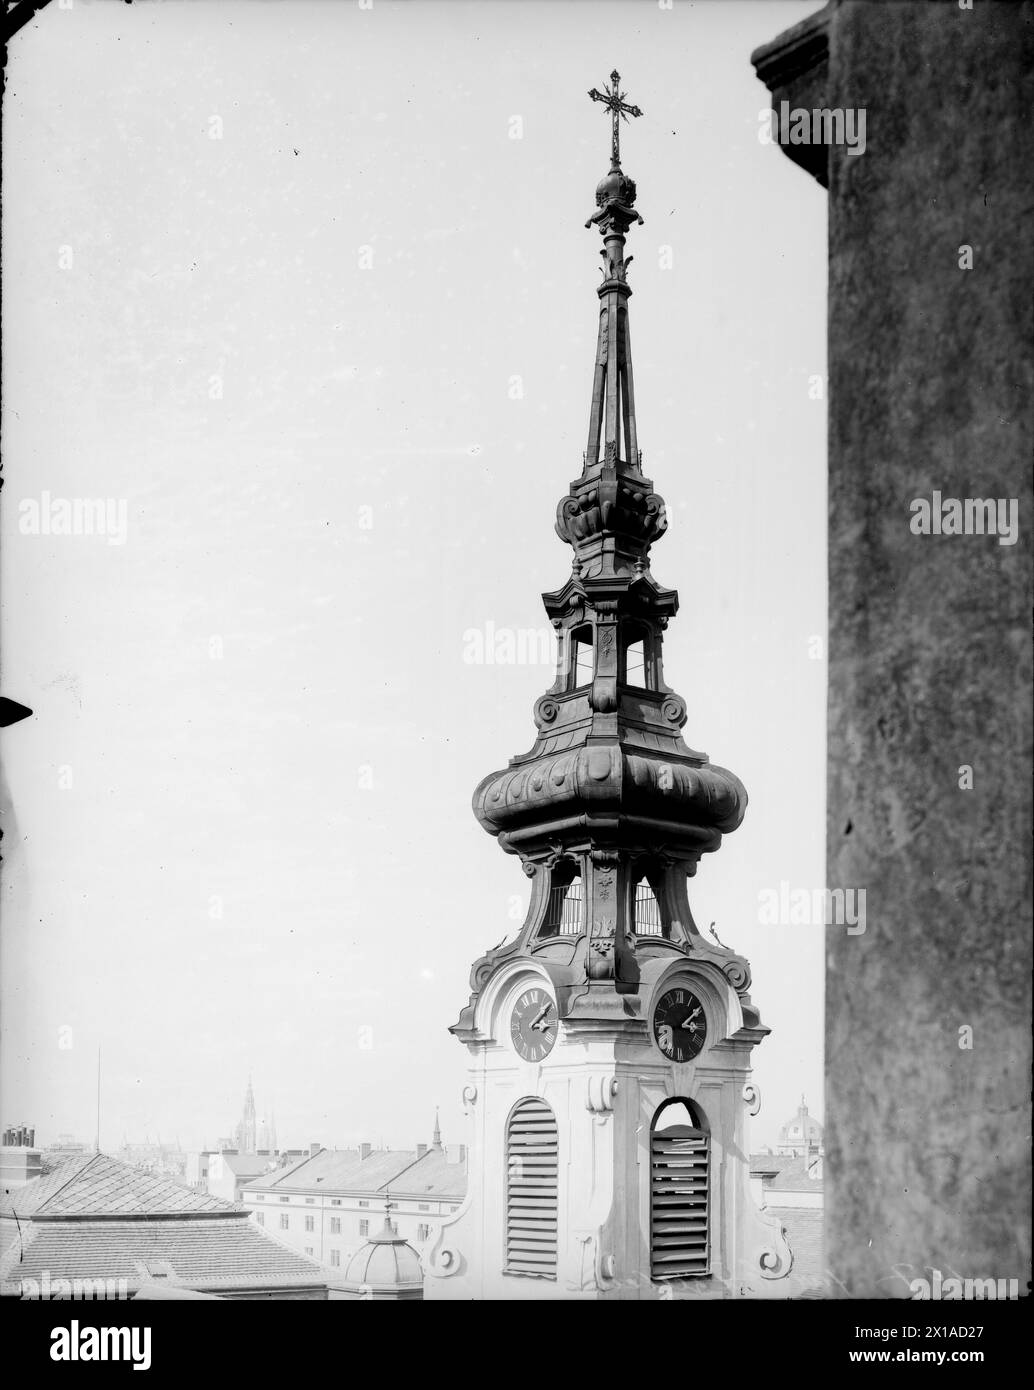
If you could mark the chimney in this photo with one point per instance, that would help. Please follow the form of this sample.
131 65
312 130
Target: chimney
364 1151
455 1153
421 1149
314 1149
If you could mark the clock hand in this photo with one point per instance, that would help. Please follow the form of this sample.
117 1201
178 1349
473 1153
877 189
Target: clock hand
537 1021
687 1022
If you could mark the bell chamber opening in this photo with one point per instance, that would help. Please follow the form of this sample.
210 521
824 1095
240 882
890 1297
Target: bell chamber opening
680 1154
565 906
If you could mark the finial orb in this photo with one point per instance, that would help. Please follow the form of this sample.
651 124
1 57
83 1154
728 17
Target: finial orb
615 187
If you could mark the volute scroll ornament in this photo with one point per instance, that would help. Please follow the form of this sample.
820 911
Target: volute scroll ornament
752 1098
600 1092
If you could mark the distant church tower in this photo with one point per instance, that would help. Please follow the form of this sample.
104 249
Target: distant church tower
610 1043
247 1129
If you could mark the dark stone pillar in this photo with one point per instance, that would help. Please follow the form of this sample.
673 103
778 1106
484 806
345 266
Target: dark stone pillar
931 389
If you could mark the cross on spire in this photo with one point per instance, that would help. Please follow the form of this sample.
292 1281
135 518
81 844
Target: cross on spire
620 110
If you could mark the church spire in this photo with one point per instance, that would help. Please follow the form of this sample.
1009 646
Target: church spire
612 514
610 810
612 423
436 1138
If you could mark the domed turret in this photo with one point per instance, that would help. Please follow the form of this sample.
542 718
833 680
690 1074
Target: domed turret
386 1267
801 1136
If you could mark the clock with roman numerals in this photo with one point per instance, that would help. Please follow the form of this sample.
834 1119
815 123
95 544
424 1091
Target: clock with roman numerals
533 1024
679 1025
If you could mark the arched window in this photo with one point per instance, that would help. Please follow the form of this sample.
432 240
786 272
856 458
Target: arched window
679 1192
531 1189
648 921
564 909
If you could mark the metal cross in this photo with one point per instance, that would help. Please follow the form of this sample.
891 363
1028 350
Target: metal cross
619 110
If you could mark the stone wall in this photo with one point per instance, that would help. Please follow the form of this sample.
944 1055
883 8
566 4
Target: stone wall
931 389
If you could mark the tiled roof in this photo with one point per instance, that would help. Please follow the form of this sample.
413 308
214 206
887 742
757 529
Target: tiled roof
95 1185
796 1176
769 1163
244 1165
225 1253
343 1170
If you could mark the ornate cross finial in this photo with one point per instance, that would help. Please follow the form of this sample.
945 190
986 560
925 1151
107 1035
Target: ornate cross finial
619 109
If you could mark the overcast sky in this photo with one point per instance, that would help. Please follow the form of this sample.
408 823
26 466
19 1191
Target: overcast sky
284 286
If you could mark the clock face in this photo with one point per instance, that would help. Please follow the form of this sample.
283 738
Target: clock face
533 1024
679 1025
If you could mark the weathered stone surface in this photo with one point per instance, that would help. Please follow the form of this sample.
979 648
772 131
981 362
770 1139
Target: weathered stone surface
931 388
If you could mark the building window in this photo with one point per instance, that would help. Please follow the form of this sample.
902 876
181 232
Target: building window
364 1228
335 1258
335 1225
260 1218
423 1231
308 1249
310 1223
635 665
635 670
285 1221
581 664
310 1201
531 1189
259 1197
423 1206
679 1192
648 920
335 1201
364 1204
285 1199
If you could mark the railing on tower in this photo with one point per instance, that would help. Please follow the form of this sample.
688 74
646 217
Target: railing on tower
564 914
647 912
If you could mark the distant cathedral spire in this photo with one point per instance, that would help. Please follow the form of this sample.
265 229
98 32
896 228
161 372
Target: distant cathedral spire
246 1132
436 1139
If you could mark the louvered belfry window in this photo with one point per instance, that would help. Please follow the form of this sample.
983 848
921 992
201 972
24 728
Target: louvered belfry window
679 1190
531 1189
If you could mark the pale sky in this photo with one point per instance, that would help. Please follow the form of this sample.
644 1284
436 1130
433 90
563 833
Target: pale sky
271 270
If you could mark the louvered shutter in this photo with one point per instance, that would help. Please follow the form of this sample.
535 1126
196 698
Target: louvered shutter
531 1189
678 1202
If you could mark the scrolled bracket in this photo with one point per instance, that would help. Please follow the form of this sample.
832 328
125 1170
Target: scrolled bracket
600 1091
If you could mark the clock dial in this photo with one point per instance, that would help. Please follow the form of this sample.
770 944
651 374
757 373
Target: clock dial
533 1024
679 1025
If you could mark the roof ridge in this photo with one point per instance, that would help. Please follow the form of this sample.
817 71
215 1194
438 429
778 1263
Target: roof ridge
75 1173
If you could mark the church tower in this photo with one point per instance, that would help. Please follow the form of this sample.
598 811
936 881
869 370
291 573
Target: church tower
610 1043
246 1132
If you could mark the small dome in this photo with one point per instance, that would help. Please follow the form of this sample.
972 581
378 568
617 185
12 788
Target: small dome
801 1128
386 1267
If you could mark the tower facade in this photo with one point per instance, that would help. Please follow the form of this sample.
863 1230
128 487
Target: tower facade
609 1042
